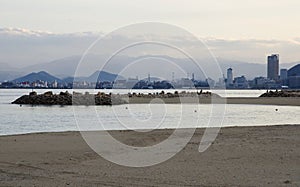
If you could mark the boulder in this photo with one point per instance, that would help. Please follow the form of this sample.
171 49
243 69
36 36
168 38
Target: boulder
49 93
33 93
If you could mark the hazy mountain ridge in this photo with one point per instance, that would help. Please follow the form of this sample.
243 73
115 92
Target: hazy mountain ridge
61 68
44 76
45 51
65 68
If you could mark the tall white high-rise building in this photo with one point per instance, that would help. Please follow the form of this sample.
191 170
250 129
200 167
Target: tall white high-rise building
273 67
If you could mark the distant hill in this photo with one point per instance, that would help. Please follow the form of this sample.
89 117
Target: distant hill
42 75
61 67
95 77
65 68
68 78
102 76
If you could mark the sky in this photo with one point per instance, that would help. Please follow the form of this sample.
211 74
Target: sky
246 30
228 19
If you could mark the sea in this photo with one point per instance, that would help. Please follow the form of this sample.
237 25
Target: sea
23 119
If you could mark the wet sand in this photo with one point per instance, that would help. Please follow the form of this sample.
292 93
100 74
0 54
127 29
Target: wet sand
288 101
240 156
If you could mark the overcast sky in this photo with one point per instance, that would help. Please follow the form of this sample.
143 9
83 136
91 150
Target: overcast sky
245 30
228 19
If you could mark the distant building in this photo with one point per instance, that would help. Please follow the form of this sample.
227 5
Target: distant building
264 83
294 71
186 83
229 81
283 77
131 82
259 82
211 83
240 82
294 77
283 74
273 67
119 84
54 84
220 83
294 82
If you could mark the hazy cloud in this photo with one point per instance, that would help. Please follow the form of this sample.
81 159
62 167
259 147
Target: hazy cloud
22 47
254 50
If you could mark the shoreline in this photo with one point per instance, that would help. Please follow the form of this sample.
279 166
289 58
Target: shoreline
240 156
166 129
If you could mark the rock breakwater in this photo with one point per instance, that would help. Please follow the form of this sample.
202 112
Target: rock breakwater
65 98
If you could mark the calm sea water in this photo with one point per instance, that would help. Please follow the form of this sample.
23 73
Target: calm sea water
15 119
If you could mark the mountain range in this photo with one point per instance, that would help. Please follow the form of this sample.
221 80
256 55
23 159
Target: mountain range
66 68
44 76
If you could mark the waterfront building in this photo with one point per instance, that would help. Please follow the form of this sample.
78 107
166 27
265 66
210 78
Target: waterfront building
294 77
229 80
273 67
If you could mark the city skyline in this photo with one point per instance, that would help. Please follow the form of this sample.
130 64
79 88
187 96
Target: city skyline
106 80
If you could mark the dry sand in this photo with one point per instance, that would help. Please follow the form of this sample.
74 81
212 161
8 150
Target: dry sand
241 156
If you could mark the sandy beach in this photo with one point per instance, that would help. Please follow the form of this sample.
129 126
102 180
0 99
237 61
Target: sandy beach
240 156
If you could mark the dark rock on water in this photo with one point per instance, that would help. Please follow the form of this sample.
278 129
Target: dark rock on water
64 93
32 93
44 99
50 93
282 93
65 98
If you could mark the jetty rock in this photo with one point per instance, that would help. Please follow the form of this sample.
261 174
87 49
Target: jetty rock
65 98
282 93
